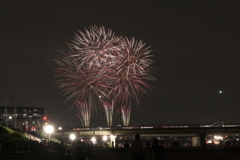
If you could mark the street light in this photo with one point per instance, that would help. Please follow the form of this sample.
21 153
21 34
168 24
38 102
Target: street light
93 140
220 92
104 139
72 137
49 130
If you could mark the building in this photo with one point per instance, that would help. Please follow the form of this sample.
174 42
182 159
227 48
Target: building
23 118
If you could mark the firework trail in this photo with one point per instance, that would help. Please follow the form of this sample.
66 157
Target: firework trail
108 107
84 113
126 111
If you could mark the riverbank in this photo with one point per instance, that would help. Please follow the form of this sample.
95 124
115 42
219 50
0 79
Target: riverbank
125 154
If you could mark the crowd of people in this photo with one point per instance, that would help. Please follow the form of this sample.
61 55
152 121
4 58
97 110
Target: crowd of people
137 149
82 150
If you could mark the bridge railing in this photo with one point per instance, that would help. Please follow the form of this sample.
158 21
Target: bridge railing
232 125
145 127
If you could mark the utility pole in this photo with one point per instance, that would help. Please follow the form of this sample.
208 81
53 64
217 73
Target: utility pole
5 104
220 92
202 108
15 110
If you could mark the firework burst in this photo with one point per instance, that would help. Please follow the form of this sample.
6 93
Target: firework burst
96 47
79 83
130 78
100 63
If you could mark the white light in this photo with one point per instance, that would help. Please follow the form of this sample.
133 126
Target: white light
10 117
216 142
49 129
93 139
104 138
218 137
209 141
113 136
59 128
220 92
72 136
100 96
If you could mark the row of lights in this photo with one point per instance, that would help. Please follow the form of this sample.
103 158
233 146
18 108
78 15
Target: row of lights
49 129
93 139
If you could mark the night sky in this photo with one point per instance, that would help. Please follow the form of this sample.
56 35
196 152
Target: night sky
195 46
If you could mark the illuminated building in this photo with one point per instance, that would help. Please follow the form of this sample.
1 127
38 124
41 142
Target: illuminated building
23 118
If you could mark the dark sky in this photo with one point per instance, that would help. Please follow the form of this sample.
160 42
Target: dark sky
195 46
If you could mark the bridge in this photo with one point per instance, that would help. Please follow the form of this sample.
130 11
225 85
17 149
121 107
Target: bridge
197 132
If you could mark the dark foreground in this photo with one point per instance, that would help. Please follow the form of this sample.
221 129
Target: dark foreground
125 154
